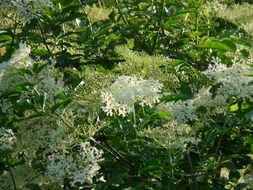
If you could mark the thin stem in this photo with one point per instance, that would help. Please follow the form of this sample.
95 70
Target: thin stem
114 153
120 12
158 24
224 125
134 118
191 169
13 180
13 38
197 25
171 161
44 38
29 182
127 22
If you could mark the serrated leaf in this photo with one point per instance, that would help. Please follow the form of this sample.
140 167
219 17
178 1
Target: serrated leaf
41 52
225 45
62 104
26 71
5 38
38 67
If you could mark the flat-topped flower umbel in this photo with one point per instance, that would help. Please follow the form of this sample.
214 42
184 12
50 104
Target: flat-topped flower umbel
127 91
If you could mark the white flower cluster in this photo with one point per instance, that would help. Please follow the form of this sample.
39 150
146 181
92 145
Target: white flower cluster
79 168
49 81
143 65
95 13
185 110
7 139
20 58
231 80
239 14
27 8
248 180
171 135
126 91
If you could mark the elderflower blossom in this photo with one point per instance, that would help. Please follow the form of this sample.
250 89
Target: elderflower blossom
185 110
95 13
248 180
238 14
20 58
27 9
7 138
126 91
230 80
79 168
49 81
172 134
233 80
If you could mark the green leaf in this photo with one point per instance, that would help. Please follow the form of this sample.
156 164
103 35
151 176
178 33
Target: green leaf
62 96
171 24
224 45
70 8
160 115
41 53
234 175
244 53
241 186
173 97
5 38
62 104
33 186
26 71
38 67
229 45
234 107
250 83
202 109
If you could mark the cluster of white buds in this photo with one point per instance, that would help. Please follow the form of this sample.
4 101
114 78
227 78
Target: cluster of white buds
7 139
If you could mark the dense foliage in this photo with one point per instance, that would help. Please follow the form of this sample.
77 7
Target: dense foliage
126 94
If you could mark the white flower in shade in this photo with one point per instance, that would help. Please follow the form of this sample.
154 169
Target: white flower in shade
248 180
59 166
7 139
78 167
92 157
126 91
95 13
3 67
185 110
27 9
234 80
20 58
231 80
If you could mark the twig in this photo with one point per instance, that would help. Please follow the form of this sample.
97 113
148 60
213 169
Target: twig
136 36
13 180
191 169
158 24
44 38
